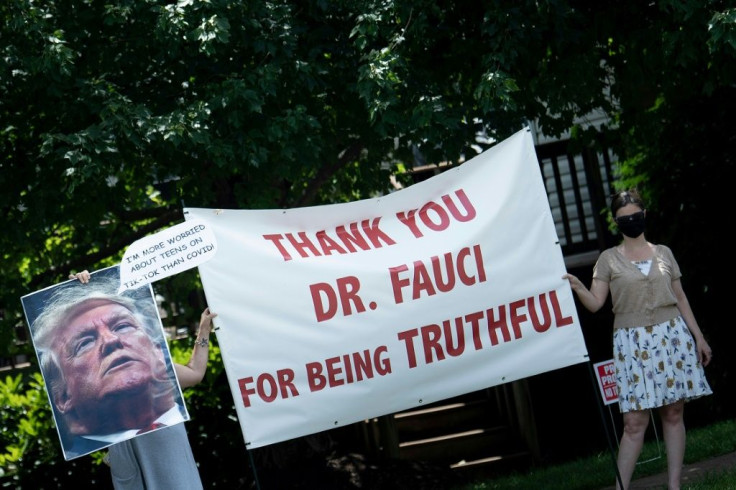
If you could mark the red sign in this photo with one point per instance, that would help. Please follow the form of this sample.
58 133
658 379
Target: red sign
606 374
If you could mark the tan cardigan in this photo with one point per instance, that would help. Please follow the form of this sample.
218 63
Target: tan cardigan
639 300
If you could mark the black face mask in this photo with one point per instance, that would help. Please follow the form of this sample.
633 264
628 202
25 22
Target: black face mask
632 225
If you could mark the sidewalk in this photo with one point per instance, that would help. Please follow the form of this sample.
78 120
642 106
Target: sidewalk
690 473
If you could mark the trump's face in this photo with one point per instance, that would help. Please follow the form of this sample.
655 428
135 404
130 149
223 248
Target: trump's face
104 352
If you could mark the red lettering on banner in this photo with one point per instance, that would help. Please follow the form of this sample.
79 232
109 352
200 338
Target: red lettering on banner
436 343
435 217
407 336
300 243
453 341
347 292
352 238
467 266
437 213
327 244
349 368
268 387
473 320
457 347
276 240
546 322
517 318
368 235
374 233
559 319
431 336
470 212
498 323
408 219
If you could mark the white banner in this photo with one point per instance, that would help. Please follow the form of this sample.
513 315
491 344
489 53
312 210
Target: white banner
334 314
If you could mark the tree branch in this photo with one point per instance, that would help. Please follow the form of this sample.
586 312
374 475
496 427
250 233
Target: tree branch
166 218
326 172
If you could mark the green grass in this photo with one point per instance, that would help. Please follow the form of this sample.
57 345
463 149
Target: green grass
724 480
597 471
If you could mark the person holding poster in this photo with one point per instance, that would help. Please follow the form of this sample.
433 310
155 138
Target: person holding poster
105 362
658 348
162 458
110 379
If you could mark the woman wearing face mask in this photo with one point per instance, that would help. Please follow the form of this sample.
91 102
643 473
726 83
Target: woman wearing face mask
658 349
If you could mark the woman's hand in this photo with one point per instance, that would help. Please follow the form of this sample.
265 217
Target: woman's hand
205 322
705 354
194 370
592 298
82 276
575 283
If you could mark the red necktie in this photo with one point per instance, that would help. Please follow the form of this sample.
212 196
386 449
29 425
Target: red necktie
154 425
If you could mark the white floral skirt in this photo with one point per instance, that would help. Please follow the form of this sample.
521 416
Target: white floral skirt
657 365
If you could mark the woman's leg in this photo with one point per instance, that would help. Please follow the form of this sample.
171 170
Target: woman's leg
673 429
635 426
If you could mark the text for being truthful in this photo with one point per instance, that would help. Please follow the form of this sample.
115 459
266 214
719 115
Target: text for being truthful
413 346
